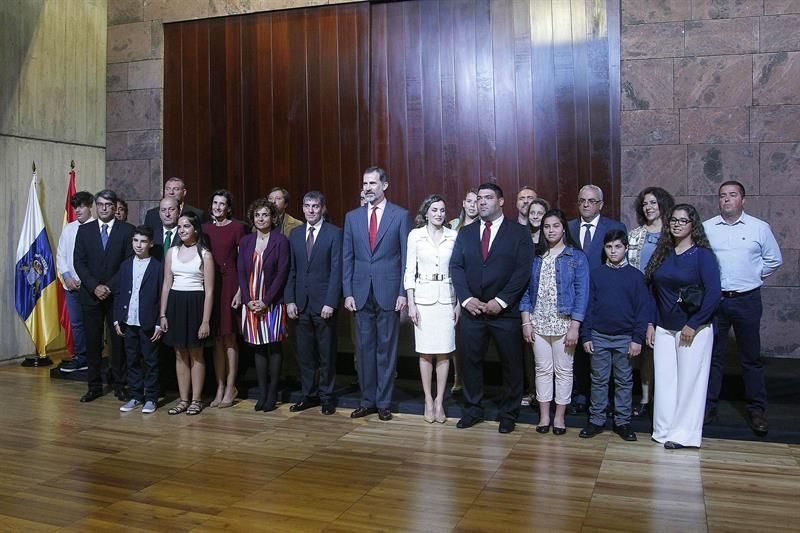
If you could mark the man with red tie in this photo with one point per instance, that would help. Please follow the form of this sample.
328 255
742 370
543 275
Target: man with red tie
373 261
490 268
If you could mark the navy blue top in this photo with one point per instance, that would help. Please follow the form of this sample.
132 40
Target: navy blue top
692 267
619 303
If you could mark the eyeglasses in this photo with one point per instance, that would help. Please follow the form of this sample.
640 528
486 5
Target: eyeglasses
679 221
591 201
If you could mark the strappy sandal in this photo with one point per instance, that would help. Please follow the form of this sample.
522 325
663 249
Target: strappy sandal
195 408
180 407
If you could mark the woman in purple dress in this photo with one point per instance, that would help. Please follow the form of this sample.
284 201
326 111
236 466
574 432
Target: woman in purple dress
224 235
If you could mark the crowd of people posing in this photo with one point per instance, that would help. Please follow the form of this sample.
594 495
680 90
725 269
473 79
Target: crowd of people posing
568 303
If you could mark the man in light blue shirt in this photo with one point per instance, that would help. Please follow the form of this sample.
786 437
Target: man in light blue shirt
747 252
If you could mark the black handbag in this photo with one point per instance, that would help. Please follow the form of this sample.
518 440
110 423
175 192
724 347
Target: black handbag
690 298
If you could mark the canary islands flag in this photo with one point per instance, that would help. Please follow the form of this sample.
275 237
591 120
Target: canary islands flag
35 283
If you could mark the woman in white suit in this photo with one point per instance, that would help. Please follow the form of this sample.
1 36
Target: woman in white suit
432 305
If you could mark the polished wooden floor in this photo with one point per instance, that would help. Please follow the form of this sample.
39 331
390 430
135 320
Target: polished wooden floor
67 466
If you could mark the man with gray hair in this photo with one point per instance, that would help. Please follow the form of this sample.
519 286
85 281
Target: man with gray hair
588 231
175 188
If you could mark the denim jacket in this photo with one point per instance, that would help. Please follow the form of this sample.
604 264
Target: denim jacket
572 284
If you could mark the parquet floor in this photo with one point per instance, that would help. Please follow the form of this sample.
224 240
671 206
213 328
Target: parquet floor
66 466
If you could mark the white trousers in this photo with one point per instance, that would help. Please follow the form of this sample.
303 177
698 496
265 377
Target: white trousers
551 358
681 383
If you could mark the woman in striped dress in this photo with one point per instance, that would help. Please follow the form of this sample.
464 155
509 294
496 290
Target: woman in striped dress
263 266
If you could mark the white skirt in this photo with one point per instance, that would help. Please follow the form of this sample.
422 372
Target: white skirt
436 332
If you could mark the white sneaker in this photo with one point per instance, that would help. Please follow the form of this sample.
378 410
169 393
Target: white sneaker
149 407
130 405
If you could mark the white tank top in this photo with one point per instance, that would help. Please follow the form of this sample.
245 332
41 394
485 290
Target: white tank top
186 276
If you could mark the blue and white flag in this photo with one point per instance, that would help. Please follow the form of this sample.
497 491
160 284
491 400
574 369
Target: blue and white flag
35 281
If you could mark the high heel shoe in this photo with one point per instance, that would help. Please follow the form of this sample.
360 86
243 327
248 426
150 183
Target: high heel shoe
427 416
440 417
223 405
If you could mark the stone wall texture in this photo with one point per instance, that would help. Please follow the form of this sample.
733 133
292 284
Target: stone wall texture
711 92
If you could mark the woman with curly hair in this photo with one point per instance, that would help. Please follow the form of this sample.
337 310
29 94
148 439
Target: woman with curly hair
263 266
685 279
652 210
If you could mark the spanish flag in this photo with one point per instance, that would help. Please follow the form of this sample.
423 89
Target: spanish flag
63 317
35 281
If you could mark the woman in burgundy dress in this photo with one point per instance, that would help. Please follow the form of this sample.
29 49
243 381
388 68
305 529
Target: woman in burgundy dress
224 235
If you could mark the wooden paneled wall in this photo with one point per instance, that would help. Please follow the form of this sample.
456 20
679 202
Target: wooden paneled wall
441 93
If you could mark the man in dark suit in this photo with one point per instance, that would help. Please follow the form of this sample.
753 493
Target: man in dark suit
373 261
490 268
588 232
167 236
173 188
312 297
100 248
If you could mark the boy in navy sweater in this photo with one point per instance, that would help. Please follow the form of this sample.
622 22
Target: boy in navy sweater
137 300
613 331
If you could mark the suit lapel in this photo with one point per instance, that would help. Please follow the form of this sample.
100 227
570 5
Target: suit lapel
497 238
319 239
147 272
271 245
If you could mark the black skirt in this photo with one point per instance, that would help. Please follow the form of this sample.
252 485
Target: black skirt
184 316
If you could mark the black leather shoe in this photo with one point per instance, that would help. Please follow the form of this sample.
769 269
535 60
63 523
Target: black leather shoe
758 422
328 408
91 396
543 429
669 445
363 411
506 426
559 431
576 409
305 403
384 414
625 432
710 416
468 422
590 431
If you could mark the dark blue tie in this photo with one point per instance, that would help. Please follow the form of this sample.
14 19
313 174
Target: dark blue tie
587 238
104 235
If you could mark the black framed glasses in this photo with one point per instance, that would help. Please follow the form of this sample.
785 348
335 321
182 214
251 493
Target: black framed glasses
679 221
591 201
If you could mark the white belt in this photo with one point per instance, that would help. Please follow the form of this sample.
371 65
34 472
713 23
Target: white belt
433 277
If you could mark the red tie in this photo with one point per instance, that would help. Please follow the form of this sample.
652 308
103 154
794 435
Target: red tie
373 228
310 242
487 232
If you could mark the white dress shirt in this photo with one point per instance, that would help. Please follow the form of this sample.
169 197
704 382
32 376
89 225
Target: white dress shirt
139 268
592 228
495 227
65 253
378 214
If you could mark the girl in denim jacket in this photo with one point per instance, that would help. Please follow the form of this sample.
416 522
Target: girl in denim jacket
552 310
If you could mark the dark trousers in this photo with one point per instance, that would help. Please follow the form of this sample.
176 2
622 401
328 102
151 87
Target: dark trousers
376 347
743 313
316 350
475 334
95 318
581 376
142 359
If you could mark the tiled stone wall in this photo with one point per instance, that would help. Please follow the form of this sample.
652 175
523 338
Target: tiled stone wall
711 92
135 83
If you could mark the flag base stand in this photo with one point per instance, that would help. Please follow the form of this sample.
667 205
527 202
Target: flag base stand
37 361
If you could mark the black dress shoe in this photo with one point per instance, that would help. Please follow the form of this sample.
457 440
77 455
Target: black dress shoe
506 426
363 411
625 432
669 445
576 409
758 422
590 431
543 429
468 422
559 431
305 403
91 396
710 416
384 414
328 408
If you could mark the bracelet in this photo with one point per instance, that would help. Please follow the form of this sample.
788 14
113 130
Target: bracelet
528 323
162 316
